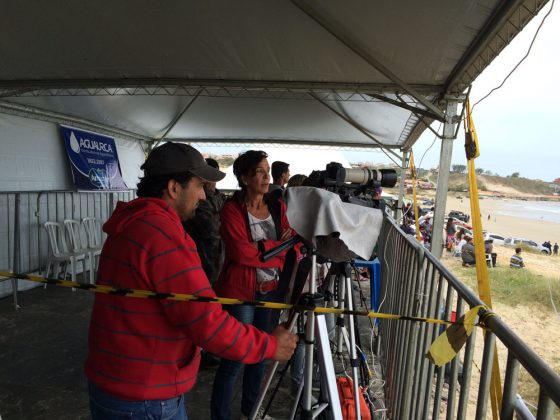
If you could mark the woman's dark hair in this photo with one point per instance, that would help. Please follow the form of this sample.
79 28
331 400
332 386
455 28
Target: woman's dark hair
153 186
246 164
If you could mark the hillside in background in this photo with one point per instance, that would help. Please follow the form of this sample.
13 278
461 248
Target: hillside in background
504 186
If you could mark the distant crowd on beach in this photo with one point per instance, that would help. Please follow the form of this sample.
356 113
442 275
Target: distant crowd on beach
460 243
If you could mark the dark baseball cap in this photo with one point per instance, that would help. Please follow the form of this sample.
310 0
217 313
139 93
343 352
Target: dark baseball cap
171 158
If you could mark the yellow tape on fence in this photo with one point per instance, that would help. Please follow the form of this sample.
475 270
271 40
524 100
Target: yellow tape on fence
146 294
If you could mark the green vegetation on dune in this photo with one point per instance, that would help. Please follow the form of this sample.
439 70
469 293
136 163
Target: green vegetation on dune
516 287
524 185
460 182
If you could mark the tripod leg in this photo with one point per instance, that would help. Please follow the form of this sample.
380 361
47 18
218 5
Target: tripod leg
296 401
270 374
308 371
352 350
326 368
340 318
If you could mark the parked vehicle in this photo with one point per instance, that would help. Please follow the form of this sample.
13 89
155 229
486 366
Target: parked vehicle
459 215
498 239
531 244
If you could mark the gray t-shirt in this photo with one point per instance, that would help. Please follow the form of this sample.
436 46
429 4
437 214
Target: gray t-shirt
262 230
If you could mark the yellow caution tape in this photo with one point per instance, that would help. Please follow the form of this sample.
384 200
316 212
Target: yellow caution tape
146 294
448 344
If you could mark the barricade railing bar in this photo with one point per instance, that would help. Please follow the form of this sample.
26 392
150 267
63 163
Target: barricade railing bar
415 283
24 242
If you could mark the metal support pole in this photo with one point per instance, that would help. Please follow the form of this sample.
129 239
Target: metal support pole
443 177
404 165
309 336
510 387
352 350
16 250
485 375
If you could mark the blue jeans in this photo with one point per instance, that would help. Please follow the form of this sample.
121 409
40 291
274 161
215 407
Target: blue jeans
228 371
105 407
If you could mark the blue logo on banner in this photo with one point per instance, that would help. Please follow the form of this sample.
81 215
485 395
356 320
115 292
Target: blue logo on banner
93 160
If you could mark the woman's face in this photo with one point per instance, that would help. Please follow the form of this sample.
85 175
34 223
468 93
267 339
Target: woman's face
258 183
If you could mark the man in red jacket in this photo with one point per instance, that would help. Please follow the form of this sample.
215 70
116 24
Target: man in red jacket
144 354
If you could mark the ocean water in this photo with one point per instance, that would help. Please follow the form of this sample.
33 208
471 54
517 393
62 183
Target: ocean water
548 211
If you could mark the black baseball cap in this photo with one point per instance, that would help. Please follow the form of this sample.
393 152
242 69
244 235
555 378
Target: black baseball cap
171 158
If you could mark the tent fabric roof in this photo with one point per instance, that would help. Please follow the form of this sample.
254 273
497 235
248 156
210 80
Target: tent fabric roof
251 70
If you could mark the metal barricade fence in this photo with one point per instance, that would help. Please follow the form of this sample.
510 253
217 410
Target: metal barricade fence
415 283
24 242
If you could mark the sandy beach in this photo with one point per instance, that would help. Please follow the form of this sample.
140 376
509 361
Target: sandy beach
537 230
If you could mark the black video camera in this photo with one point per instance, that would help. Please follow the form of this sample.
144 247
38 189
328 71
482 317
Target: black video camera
353 185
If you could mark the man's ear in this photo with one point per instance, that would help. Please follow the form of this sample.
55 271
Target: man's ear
172 188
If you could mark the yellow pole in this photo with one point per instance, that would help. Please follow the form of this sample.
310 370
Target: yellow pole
471 145
414 199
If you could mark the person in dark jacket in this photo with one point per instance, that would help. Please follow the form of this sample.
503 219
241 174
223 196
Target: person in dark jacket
280 176
144 354
467 252
204 228
253 221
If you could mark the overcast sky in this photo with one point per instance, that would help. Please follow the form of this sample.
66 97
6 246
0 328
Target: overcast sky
516 125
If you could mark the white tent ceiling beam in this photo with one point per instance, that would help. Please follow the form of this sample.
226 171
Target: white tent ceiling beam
306 143
339 33
357 127
188 87
402 104
178 117
59 118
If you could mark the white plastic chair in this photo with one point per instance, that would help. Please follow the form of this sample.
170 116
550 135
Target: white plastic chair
61 252
93 230
92 226
80 244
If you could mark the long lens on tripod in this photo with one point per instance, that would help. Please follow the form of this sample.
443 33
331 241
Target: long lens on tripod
363 176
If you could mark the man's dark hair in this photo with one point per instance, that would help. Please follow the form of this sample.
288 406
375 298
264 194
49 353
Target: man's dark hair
246 164
153 186
278 168
517 250
213 163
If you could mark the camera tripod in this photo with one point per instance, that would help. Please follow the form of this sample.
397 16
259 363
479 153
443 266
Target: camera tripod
340 273
317 337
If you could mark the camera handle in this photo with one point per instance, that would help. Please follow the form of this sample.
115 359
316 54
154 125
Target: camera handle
265 256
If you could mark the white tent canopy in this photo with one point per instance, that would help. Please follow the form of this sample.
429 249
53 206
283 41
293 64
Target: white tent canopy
250 70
